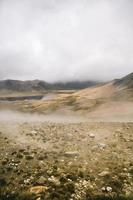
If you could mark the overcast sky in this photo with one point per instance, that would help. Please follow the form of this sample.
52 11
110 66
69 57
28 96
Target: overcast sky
63 40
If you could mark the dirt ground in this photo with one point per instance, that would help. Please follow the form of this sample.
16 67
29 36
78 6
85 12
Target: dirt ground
65 160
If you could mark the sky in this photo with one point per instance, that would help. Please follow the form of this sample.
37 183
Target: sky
66 40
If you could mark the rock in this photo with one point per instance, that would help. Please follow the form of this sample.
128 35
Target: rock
41 180
4 161
37 189
40 157
39 198
125 170
29 157
27 181
92 135
21 150
33 132
71 153
13 153
54 180
131 169
109 189
26 153
102 145
104 173
19 155
103 189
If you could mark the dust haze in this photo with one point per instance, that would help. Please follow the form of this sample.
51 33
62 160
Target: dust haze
11 116
104 113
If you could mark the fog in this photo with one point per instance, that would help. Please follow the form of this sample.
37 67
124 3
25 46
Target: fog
106 114
11 116
64 40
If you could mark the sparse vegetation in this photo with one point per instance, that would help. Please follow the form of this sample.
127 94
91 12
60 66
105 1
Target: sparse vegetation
68 161
89 170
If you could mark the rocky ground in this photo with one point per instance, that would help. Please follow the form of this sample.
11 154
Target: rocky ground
66 161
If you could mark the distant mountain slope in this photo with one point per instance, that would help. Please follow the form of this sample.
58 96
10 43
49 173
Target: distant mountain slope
114 98
126 81
118 88
96 92
125 86
102 96
16 85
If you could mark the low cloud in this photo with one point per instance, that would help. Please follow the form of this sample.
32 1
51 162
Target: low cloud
62 40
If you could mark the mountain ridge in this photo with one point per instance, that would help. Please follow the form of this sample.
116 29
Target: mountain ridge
117 88
39 85
125 81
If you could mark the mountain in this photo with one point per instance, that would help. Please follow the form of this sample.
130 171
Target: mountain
126 81
89 89
38 85
108 101
112 100
116 89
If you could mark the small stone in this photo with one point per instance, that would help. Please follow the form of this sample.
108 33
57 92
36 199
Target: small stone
29 157
26 153
102 145
103 189
19 155
125 169
4 162
33 132
71 153
54 180
37 189
40 157
41 180
27 181
104 173
109 189
39 198
92 135
13 153
21 150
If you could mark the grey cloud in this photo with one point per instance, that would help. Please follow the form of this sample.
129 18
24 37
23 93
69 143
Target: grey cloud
60 40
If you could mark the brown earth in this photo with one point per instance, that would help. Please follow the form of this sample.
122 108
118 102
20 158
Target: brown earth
70 160
69 145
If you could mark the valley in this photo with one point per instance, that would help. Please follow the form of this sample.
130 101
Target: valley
68 144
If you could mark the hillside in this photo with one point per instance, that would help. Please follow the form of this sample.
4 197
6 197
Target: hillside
126 81
38 85
114 98
116 89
